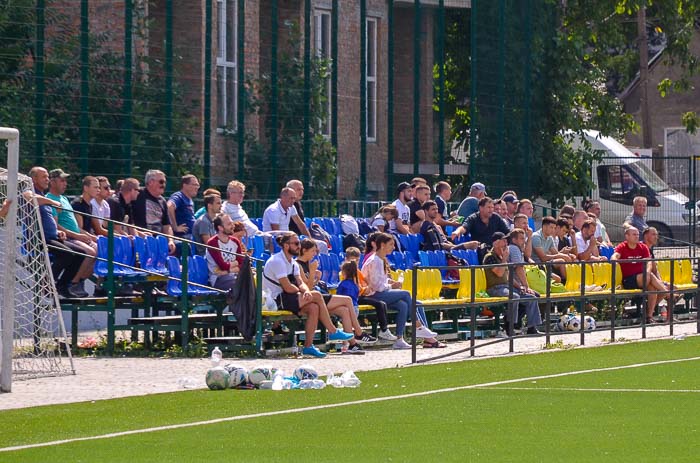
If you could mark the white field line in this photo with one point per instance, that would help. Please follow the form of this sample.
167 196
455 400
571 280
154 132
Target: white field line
590 389
336 405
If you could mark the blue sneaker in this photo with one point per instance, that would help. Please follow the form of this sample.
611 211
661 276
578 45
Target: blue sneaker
313 351
340 336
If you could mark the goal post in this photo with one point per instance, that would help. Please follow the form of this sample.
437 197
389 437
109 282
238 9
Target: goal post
32 333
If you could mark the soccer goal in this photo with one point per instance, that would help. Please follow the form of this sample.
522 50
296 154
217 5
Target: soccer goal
32 334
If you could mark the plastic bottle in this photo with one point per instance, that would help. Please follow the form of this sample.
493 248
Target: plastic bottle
216 356
400 278
268 301
317 384
277 383
306 383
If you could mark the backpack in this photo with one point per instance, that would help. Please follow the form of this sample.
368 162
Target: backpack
354 240
349 224
537 280
365 228
319 233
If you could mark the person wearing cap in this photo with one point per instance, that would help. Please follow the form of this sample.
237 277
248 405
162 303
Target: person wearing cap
470 205
511 202
405 194
498 285
76 239
482 224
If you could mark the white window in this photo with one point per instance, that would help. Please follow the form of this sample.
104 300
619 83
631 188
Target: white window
322 47
371 79
226 69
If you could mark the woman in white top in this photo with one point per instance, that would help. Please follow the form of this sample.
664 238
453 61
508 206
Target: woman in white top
381 287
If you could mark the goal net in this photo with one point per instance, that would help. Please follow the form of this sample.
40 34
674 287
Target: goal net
39 346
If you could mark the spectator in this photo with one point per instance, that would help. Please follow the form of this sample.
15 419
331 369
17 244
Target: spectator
77 239
544 250
340 306
497 285
203 210
204 227
586 244
601 234
511 203
434 238
352 255
281 279
579 218
387 219
470 204
633 275
298 188
526 207
226 260
421 195
282 212
567 210
181 207
516 243
418 181
100 206
235 192
565 238
83 203
443 192
520 221
381 287
482 224
150 209
636 218
500 209
405 194
120 205
64 263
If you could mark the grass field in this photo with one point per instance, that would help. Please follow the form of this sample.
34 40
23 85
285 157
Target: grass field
631 402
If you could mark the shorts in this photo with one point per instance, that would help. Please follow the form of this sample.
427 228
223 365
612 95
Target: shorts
630 282
288 302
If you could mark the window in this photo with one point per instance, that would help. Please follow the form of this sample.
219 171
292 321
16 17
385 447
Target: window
617 183
322 47
371 79
226 70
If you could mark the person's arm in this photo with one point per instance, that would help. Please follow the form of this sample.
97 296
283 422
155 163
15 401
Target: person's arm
539 252
300 224
5 208
401 227
217 256
375 277
587 253
97 226
169 232
44 201
615 256
288 287
522 278
527 252
308 279
171 216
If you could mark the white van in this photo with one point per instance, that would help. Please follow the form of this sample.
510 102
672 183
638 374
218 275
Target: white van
621 176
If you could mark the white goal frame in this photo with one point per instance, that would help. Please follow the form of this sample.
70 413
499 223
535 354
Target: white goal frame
8 304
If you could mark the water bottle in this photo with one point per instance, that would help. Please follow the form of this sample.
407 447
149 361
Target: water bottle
306 383
277 383
216 356
268 302
400 278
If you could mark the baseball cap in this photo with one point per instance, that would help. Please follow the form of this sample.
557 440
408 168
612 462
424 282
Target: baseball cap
498 236
479 186
55 173
403 186
510 199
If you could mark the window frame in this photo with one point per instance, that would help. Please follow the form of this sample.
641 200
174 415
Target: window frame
226 64
323 50
371 77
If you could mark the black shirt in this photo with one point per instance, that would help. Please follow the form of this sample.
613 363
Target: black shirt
292 224
414 206
119 210
80 205
433 239
150 212
482 232
442 207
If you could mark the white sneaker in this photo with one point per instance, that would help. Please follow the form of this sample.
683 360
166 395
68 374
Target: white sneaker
386 335
424 332
401 344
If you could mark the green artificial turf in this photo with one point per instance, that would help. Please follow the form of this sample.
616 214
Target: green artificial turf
474 424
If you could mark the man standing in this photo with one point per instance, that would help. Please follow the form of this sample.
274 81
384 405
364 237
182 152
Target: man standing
77 239
181 207
434 238
497 285
470 204
225 261
282 282
120 207
586 243
482 224
633 274
64 264
636 218
204 227
150 209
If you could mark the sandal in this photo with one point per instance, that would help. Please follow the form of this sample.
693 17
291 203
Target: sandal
651 321
433 345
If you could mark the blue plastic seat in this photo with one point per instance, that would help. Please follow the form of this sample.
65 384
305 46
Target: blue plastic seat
334 274
199 273
403 239
471 257
408 260
337 225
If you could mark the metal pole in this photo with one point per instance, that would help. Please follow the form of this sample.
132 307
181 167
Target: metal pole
184 302
472 92
208 18
169 87
334 82
127 93
441 87
307 91
416 85
258 306
414 310
273 99
240 62
501 84
39 83
84 85
613 302
110 287
390 102
7 312
363 99
526 177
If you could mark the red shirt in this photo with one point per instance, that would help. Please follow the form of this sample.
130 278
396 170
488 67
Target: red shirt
641 251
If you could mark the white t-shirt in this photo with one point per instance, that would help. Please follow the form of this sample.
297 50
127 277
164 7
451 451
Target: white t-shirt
237 214
277 215
278 267
581 244
100 209
227 250
404 212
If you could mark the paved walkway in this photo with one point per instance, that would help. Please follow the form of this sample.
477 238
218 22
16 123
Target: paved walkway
107 378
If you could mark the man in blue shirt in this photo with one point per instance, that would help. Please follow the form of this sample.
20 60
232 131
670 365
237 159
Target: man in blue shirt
470 205
181 207
64 264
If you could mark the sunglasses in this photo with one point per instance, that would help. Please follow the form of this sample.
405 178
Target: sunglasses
162 181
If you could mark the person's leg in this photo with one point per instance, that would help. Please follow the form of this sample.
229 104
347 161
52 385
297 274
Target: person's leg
64 264
651 298
225 282
504 291
343 304
86 268
393 300
310 310
379 308
532 310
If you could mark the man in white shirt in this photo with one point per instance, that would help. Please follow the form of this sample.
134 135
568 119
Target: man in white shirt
235 192
282 282
405 193
586 244
100 206
279 214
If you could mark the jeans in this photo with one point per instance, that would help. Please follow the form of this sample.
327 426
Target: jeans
400 301
526 301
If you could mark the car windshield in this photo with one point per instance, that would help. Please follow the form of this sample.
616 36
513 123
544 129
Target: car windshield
648 176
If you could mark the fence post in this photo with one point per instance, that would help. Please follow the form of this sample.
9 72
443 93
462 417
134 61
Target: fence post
416 85
110 287
307 91
613 302
184 301
84 85
414 294
240 68
208 17
390 102
582 304
363 99
670 305
258 305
